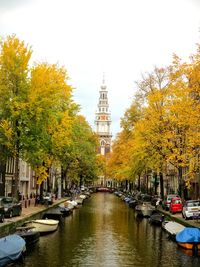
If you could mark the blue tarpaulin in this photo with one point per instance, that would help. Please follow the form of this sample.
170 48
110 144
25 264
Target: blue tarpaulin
188 235
11 248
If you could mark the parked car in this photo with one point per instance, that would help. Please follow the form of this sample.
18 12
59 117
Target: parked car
48 198
11 206
191 209
176 205
166 202
1 214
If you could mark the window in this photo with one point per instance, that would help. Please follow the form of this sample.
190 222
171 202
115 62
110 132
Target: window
102 143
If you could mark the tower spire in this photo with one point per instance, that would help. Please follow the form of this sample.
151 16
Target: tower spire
103 81
103 120
103 86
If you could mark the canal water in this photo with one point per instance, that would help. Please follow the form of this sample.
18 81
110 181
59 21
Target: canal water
105 232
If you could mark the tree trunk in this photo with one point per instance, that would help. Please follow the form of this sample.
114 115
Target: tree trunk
63 178
139 182
48 181
81 180
15 185
180 181
155 183
15 181
161 185
41 191
147 183
2 178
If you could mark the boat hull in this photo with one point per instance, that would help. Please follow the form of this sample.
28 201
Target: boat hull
190 246
54 214
156 219
172 228
30 236
12 248
44 226
145 209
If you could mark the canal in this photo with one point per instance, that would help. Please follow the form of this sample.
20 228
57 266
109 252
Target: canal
105 232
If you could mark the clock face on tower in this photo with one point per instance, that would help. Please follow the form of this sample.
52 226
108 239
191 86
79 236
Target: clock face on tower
103 117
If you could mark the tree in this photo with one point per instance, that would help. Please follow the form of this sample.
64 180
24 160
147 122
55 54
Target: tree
49 114
81 162
14 87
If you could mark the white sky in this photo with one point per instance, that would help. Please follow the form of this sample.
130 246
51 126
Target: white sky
122 38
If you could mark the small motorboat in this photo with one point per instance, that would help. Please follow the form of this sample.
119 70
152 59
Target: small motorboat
29 234
64 210
12 248
68 205
43 226
73 202
189 238
133 203
156 218
83 196
145 209
87 194
138 209
79 200
54 214
103 189
128 199
172 228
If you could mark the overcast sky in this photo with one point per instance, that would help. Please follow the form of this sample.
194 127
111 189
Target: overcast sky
121 38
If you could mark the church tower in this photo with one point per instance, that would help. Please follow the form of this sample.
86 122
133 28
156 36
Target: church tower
103 121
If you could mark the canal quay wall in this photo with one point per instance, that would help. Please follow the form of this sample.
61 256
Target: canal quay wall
179 219
30 213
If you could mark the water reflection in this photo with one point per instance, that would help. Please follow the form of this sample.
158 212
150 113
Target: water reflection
105 232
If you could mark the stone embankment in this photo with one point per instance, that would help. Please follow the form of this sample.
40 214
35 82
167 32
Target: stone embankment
178 218
29 212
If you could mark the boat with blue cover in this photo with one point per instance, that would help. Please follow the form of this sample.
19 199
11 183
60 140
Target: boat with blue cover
12 248
189 238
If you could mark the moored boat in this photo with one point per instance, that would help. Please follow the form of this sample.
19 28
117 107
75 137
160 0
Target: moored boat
133 203
172 228
156 218
103 189
72 202
54 214
44 226
189 238
147 209
83 196
12 248
64 210
79 200
68 205
30 235
138 209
